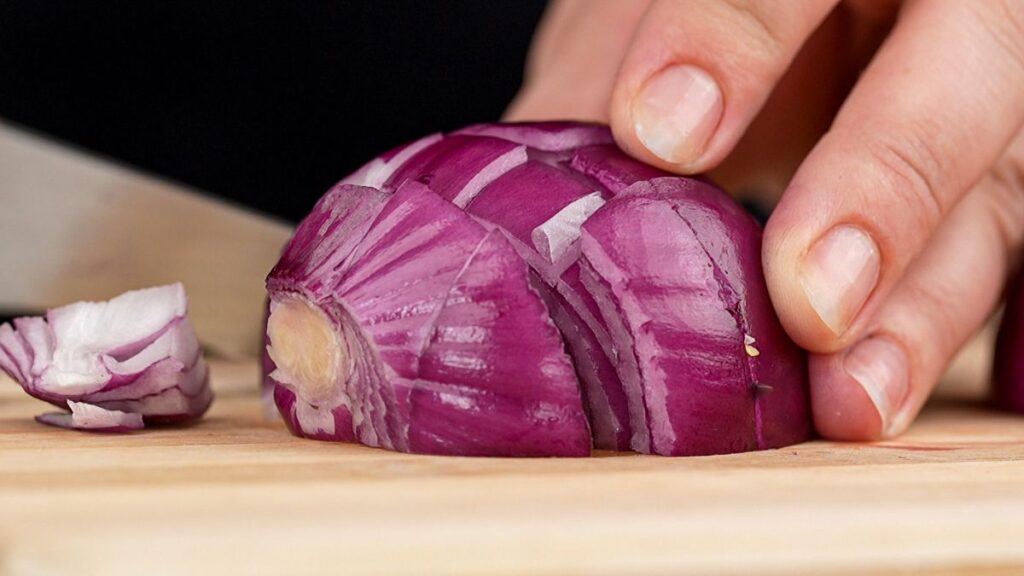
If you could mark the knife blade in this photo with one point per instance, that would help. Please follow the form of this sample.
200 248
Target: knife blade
74 226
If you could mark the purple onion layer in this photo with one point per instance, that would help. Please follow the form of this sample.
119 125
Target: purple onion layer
113 366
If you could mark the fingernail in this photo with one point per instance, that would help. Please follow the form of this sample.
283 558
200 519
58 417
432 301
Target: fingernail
839 273
880 367
676 112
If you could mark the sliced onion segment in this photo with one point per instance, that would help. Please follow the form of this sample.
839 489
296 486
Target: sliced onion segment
114 365
93 418
687 328
405 346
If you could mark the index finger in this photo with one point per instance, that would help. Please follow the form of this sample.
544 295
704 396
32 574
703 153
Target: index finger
934 110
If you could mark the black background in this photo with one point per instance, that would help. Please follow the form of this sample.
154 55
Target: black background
266 103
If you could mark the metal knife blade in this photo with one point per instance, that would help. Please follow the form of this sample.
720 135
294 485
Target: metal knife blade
77 227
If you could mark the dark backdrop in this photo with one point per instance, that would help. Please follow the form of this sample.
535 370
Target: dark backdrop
267 103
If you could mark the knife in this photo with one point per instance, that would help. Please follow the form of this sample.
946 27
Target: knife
74 226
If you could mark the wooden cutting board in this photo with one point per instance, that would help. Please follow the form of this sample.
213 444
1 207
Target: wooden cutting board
237 495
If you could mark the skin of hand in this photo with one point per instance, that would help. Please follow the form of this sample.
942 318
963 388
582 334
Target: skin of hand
889 133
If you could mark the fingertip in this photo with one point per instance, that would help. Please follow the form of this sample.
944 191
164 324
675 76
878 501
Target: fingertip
786 238
695 77
670 118
538 103
517 110
526 106
841 408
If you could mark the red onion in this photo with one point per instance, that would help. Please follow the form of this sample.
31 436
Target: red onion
1008 377
653 282
114 365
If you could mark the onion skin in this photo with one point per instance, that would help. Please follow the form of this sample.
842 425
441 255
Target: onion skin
92 418
1008 368
114 366
694 363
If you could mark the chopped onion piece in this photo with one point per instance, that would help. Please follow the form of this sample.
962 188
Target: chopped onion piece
546 136
114 364
93 418
559 234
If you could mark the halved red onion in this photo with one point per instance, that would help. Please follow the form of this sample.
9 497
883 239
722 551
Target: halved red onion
1008 369
535 186
391 323
112 365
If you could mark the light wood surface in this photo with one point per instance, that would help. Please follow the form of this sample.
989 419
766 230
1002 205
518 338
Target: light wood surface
237 495
77 227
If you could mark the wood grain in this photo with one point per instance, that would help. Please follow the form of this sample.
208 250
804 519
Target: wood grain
235 494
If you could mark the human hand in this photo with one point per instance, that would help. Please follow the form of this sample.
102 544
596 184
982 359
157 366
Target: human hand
892 132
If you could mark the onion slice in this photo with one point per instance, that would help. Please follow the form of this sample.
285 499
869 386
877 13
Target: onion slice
688 304
93 418
112 365
545 136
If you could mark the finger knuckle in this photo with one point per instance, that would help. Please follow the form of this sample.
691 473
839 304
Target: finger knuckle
760 27
1006 202
912 173
941 305
1003 23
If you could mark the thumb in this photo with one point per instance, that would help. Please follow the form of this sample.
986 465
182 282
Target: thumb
574 59
696 75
